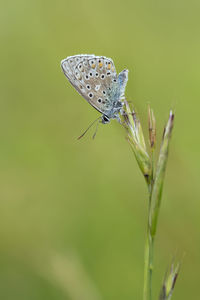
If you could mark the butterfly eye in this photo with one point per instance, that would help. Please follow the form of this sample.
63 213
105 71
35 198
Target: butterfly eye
114 80
90 95
102 76
104 92
97 74
91 74
99 100
86 77
105 119
108 73
88 87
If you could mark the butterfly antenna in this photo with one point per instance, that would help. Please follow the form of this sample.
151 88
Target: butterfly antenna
95 130
89 128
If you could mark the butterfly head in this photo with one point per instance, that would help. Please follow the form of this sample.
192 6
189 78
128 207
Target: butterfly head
105 119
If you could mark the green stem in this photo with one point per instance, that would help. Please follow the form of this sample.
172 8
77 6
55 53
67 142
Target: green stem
148 265
151 249
149 245
155 186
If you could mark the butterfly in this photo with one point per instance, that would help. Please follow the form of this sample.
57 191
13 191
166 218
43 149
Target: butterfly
95 78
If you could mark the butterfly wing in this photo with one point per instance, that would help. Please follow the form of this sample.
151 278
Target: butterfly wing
94 77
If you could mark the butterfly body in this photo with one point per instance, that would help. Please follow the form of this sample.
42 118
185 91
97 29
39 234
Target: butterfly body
95 78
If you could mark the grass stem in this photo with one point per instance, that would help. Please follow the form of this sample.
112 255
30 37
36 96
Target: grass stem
154 177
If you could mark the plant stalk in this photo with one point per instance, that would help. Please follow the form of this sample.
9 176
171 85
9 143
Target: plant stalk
149 248
154 176
155 194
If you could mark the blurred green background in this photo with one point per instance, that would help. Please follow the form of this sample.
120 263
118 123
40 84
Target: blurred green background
73 213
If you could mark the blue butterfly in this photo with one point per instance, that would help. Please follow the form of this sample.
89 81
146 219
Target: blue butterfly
95 78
